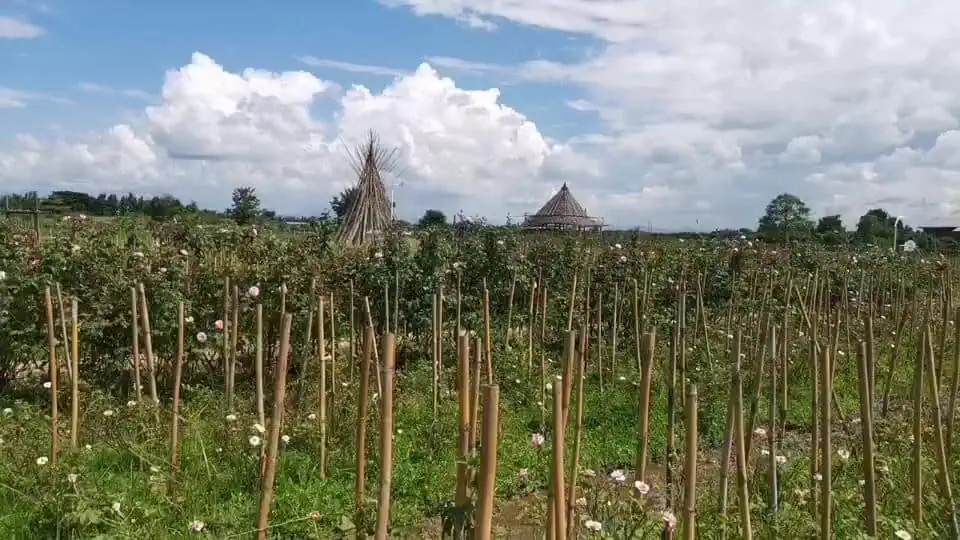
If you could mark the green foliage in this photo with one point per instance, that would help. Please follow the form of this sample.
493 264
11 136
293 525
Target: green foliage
246 206
125 488
433 218
878 227
830 230
786 218
340 204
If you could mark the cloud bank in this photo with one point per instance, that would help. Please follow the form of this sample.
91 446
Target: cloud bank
703 111
212 130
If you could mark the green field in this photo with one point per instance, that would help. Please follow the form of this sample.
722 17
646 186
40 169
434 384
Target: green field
695 296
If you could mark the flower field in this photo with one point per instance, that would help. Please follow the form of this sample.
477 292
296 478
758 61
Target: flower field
209 382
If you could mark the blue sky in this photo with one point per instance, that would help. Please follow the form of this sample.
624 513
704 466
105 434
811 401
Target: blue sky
689 114
129 44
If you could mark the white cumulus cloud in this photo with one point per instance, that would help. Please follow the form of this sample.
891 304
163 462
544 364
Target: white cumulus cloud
14 28
736 100
212 130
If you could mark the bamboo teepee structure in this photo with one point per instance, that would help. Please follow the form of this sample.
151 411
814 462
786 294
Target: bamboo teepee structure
370 212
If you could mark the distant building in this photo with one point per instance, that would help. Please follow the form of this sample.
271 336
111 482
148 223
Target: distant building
562 212
951 232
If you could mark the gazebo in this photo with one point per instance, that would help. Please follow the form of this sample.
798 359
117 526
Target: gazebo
562 212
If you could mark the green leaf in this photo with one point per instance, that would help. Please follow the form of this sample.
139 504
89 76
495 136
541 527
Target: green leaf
345 525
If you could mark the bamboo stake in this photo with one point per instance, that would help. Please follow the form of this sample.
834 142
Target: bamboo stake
376 355
826 446
488 462
234 335
63 329
573 302
353 330
463 388
74 358
52 372
396 300
647 349
743 491
386 438
322 413
725 452
258 367
772 429
177 377
954 387
559 505
531 319
148 343
475 395
577 441
871 353
226 342
487 334
435 384
513 291
135 330
671 384
273 444
637 336
866 433
690 468
814 360
439 335
333 348
946 490
361 440
543 360
614 331
917 465
569 359
599 339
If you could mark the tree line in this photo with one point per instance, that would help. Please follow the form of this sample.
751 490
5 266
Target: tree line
245 206
787 218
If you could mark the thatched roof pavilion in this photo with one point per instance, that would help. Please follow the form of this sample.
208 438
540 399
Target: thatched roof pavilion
563 212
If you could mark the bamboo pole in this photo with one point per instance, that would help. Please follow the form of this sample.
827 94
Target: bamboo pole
74 358
135 331
488 462
743 490
690 467
559 504
386 438
322 413
463 448
52 372
361 439
258 367
148 343
177 377
273 444
648 345
866 433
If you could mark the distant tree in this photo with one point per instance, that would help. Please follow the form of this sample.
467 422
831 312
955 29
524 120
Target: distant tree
432 218
830 224
341 203
161 208
246 206
786 218
830 230
877 226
